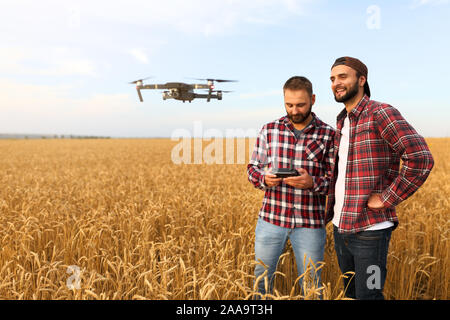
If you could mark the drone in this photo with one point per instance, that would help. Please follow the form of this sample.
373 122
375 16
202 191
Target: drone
183 91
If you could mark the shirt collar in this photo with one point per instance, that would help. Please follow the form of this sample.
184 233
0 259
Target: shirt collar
356 110
285 120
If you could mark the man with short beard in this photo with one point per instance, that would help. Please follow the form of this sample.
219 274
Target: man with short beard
371 138
294 207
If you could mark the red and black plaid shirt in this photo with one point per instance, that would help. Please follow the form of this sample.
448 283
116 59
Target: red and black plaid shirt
379 138
277 144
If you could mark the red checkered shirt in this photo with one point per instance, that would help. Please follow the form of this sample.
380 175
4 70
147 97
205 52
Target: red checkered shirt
284 205
379 138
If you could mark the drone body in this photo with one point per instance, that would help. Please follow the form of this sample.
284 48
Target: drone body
183 91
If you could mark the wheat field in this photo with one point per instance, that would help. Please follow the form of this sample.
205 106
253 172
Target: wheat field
130 224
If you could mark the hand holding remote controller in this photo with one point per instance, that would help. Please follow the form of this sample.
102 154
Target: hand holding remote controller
302 181
271 180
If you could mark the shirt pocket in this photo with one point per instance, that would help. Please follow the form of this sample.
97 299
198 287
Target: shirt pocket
362 130
314 150
363 127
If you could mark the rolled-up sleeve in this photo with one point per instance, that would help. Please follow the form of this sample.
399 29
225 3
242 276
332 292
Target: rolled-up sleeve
259 160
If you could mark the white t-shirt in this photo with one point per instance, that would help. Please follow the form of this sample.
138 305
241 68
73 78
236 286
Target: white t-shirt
339 190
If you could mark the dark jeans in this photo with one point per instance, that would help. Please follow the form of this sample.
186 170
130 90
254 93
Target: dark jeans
365 254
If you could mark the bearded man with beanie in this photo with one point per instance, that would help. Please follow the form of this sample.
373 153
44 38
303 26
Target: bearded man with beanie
367 181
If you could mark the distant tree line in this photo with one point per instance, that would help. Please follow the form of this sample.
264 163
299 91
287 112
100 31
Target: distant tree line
71 136
49 136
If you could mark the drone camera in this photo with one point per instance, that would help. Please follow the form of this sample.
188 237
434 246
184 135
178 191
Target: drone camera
166 95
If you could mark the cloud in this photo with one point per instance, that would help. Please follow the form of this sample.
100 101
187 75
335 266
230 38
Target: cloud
10 60
208 17
30 100
193 17
52 61
267 93
41 108
139 55
68 67
44 100
420 3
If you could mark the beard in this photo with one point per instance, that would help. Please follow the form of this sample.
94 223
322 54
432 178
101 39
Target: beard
351 92
300 117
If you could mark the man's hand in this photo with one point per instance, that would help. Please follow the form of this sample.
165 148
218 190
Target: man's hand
303 181
375 202
271 180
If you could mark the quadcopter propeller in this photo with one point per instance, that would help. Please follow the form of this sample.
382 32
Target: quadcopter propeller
224 91
140 80
221 80
216 80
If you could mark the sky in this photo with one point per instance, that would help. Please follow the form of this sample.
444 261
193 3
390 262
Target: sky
65 65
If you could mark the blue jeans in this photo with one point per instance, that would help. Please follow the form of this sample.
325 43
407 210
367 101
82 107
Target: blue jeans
270 241
365 254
